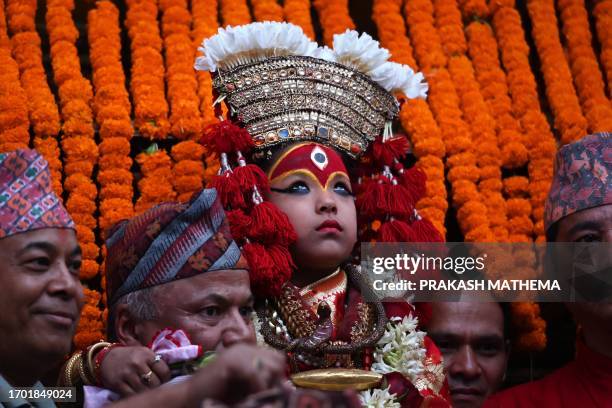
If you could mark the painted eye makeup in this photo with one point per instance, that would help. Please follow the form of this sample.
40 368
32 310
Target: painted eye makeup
342 188
298 187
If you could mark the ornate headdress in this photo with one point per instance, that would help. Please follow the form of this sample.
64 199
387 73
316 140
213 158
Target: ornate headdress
281 88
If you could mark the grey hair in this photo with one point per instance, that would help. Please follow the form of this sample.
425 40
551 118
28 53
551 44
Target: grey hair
140 305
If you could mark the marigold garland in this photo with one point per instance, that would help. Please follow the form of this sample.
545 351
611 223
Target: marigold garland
520 226
526 318
526 105
112 108
484 53
298 12
444 102
204 13
423 35
79 147
267 10
205 24
14 123
482 125
234 12
185 119
415 116
477 115
603 21
450 27
387 15
147 71
526 196
188 169
49 148
90 328
334 18
156 184
555 70
42 109
584 65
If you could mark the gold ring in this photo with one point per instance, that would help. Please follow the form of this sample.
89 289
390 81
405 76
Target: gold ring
146 378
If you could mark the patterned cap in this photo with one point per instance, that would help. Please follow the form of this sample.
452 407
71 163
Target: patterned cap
170 241
27 200
583 177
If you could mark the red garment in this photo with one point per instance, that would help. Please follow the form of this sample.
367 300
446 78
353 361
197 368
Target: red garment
585 382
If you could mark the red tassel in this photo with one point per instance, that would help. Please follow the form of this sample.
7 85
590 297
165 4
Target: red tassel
239 223
424 231
271 226
229 191
385 153
380 198
414 180
270 268
371 199
400 201
225 137
249 176
395 231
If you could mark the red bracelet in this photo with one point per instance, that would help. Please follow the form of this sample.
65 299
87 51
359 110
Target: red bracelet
98 361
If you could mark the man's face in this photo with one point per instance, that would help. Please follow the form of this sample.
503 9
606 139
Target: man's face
471 338
590 225
214 309
40 293
324 218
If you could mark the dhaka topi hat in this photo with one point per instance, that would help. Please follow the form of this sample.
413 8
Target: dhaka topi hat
582 178
27 200
168 242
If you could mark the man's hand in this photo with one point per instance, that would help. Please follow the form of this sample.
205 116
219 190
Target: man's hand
130 370
239 371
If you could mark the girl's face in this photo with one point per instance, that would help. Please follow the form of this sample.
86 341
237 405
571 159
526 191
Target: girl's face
310 184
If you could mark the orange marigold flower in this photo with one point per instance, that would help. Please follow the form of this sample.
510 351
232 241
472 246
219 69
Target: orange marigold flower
115 145
89 269
114 176
114 190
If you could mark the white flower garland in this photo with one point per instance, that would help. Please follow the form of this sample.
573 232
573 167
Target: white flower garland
401 349
378 398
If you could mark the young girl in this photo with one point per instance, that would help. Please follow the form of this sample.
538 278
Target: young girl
309 112
298 114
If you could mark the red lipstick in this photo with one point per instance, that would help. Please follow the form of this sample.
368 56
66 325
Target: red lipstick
329 225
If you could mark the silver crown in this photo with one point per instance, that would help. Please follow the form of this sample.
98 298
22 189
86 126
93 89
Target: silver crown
298 98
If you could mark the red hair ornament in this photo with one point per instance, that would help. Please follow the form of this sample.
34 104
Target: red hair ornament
263 231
